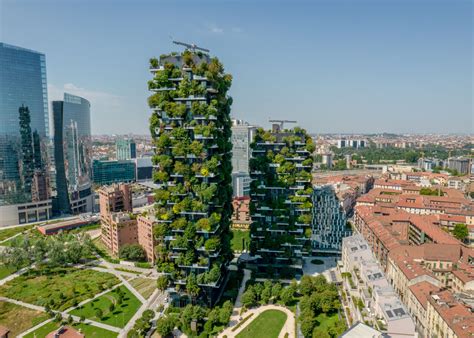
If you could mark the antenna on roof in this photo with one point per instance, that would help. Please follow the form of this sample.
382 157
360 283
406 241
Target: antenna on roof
191 46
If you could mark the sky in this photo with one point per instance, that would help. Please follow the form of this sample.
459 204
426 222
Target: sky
335 66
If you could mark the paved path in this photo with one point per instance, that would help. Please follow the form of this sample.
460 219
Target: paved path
16 274
234 318
289 326
65 314
145 306
111 269
10 238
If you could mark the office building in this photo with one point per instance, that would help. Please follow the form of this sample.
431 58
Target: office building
24 132
329 224
281 201
242 137
126 149
144 169
108 172
240 184
72 155
191 129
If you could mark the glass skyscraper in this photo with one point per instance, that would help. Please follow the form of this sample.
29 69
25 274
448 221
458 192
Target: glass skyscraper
72 154
24 131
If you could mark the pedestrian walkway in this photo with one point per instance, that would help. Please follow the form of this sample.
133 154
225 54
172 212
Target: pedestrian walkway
289 326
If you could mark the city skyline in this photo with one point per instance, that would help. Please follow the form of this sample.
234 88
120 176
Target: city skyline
410 61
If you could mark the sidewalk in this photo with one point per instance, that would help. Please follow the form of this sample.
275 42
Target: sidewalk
289 326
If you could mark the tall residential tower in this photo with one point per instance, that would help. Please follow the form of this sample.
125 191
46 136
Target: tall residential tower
281 200
191 129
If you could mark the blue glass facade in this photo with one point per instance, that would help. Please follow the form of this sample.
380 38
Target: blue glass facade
108 172
72 153
24 125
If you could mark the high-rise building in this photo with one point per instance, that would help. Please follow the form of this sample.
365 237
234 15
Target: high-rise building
72 155
329 224
191 128
242 136
126 149
281 200
240 184
108 172
461 164
24 131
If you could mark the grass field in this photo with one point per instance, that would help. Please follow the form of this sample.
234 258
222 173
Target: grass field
102 251
87 330
18 318
268 324
7 233
238 236
6 271
326 321
119 316
60 288
144 286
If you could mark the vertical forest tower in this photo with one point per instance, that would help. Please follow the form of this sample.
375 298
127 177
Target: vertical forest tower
191 130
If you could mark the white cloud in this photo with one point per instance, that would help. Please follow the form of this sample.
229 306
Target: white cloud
96 98
106 108
213 28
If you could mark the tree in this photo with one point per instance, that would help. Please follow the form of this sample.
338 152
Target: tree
286 295
266 295
192 288
162 282
276 290
249 298
111 307
164 326
98 313
307 325
306 285
132 252
461 231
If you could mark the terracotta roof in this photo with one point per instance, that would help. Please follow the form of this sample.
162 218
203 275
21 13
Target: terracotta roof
422 292
458 316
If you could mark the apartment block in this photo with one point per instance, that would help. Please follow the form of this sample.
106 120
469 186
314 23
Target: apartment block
368 293
117 230
329 223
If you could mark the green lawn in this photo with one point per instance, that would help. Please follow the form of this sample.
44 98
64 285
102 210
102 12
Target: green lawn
6 271
238 236
86 329
7 233
18 318
119 317
268 324
326 321
59 287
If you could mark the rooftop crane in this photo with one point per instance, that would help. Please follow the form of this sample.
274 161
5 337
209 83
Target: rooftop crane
281 122
191 46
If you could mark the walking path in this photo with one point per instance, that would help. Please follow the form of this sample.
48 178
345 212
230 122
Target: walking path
63 313
15 274
111 270
289 326
146 305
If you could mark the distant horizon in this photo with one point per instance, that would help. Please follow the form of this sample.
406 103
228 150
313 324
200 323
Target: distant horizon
349 67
